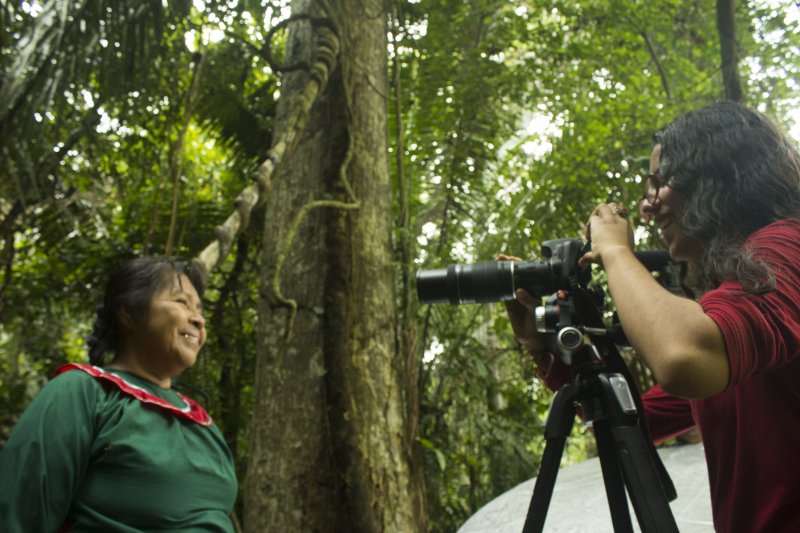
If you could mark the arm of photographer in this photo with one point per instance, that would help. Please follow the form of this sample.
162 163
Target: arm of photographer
681 345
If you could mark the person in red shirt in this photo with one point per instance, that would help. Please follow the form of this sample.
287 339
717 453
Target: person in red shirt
724 192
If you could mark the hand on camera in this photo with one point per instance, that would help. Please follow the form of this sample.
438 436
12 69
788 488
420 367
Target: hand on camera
608 228
522 317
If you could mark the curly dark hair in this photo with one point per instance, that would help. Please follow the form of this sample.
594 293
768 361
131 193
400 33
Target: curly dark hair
740 173
130 288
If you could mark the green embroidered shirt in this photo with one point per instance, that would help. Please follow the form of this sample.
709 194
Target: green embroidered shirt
86 456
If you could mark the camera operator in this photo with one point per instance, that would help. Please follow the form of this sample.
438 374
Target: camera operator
724 193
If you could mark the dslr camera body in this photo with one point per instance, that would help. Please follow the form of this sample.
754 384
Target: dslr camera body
557 275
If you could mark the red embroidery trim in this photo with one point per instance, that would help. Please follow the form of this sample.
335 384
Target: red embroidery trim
193 412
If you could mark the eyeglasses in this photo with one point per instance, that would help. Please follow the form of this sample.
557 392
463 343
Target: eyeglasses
651 185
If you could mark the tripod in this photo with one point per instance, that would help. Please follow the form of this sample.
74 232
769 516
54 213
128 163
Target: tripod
603 388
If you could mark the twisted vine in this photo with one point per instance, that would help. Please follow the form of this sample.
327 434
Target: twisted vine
325 62
282 147
352 204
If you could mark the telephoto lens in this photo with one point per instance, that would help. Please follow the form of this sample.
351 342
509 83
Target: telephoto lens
487 281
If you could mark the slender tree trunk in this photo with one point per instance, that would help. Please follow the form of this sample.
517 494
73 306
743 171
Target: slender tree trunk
328 448
176 151
407 320
726 25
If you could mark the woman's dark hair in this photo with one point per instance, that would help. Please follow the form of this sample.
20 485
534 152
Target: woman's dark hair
739 173
129 289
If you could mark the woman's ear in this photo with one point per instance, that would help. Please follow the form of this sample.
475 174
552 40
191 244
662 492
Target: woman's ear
125 318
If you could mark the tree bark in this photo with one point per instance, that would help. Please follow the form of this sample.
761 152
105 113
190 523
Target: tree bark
328 449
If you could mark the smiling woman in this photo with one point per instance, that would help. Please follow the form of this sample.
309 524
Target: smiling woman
161 334
115 448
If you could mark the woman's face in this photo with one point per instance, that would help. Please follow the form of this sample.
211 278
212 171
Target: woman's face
666 211
172 332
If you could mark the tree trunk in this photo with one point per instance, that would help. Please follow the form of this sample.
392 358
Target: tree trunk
726 25
328 448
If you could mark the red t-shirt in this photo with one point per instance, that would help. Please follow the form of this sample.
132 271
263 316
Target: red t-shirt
751 431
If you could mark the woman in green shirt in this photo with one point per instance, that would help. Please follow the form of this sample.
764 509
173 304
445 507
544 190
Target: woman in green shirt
115 448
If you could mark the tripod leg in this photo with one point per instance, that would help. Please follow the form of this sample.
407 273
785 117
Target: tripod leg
636 457
612 478
644 485
557 429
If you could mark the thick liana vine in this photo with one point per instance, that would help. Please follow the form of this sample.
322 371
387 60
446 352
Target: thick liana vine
325 61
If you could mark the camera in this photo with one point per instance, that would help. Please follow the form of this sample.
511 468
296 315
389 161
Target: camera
497 281
600 383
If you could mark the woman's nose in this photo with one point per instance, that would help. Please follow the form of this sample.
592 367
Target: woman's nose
198 321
